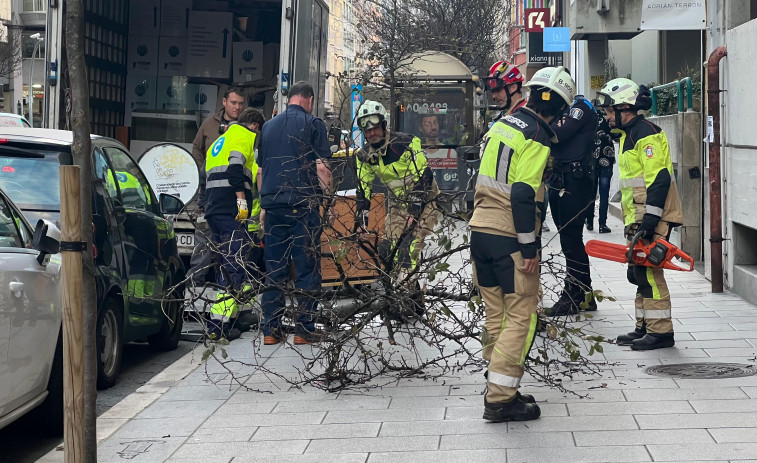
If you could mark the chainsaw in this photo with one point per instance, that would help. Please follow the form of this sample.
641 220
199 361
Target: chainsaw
658 253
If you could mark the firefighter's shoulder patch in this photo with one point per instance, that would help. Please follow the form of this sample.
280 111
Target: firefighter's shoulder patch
576 113
649 151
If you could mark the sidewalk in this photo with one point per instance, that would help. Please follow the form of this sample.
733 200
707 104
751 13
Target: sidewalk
630 416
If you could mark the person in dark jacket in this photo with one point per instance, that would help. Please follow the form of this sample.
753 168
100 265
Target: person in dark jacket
571 184
293 157
604 158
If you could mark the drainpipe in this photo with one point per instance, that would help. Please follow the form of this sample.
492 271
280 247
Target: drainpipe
716 212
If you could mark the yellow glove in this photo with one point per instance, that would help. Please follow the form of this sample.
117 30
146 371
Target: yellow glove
242 211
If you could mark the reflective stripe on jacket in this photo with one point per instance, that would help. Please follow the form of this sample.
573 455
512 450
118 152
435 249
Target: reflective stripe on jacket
230 167
513 158
647 182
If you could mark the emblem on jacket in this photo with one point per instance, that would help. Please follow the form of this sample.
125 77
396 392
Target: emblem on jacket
649 150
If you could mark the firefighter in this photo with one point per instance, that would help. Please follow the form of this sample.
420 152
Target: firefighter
397 160
231 170
504 245
650 201
505 82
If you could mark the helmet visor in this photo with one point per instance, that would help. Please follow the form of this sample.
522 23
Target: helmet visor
494 83
369 122
604 100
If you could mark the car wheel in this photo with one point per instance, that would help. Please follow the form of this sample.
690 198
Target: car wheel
109 344
170 330
48 417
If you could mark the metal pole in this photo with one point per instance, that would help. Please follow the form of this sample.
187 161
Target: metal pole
31 82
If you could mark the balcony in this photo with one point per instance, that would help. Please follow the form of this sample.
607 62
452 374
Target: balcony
604 19
33 13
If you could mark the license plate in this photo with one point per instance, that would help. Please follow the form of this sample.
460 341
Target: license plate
185 240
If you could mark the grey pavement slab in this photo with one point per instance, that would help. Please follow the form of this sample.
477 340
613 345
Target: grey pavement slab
437 456
734 434
180 409
216 451
373 444
209 435
160 427
579 454
263 419
346 403
730 451
370 416
723 406
318 431
337 458
641 437
138 449
199 392
662 395
750 391
697 420
575 423
504 440
629 408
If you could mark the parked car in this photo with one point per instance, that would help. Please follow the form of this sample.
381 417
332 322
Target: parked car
31 346
13 120
137 265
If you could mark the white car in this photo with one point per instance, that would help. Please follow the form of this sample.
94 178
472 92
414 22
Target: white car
31 345
13 120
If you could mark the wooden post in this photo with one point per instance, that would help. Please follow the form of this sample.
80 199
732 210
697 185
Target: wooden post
73 324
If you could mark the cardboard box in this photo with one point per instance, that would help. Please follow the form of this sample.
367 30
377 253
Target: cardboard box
210 44
248 61
140 95
142 55
172 94
172 57
203 100
144 17
174 18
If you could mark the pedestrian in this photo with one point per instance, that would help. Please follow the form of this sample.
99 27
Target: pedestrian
604 158
503 240
650 202
231 171
296 181
571 183
397 160
233 101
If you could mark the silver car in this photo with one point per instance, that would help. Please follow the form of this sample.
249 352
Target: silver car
31 346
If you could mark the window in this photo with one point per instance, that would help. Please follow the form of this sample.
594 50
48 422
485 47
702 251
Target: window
10 225
105 173
35 6
134 191
30 46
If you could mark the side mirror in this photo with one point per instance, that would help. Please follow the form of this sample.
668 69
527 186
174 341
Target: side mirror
46 239
170 204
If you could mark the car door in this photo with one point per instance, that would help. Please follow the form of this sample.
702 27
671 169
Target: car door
141 238
31 294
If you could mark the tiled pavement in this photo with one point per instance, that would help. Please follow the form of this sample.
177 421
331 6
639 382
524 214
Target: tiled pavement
629 416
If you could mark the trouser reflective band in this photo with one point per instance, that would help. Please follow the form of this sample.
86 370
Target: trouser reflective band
503 380
657 315
224 308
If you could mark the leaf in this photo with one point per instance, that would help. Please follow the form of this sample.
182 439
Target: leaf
224 354
599 348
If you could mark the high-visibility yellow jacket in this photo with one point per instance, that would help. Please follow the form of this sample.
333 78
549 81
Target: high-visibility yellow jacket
230 167
401 165
513 158
647 183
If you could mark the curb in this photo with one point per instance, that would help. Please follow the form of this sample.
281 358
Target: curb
133 404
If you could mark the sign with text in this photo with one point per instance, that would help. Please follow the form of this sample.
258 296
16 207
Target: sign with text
667 15
537 19
536 53
557 39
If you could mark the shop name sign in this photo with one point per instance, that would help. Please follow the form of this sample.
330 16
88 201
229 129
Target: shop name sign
667 15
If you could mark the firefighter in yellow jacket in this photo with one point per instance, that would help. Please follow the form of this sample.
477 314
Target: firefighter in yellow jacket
504 246
397 160
651 205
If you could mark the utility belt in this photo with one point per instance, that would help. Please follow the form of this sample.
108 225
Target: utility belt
578 170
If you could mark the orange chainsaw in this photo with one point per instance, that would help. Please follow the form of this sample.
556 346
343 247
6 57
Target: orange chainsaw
658 253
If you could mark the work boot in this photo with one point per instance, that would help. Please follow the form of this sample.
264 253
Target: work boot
217 330
652 341
604 229
628 339
246 320
589 225
515 410
563 306
527 398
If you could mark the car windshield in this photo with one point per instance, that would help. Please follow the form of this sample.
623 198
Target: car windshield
9 120
31 179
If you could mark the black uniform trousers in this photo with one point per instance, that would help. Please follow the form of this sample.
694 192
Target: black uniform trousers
568 212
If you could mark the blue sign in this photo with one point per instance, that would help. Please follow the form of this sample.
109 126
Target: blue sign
356 99
557 39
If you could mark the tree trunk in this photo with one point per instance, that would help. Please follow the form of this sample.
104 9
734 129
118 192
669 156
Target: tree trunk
82 156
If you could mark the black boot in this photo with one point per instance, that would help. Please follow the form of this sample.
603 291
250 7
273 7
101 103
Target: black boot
604 229
246 320
527 398
628 339
563 306
589 225
515 410
652 341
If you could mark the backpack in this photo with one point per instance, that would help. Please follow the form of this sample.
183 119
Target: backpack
604 147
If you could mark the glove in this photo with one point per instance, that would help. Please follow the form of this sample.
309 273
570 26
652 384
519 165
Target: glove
648 225
242 211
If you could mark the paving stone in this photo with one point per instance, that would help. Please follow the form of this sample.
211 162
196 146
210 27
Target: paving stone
751 326
708 335
347 403
713 344
317 431
734 434
575 423
159 427
263 419
750 391
656 354
138 449
294 395
662 395
697 420
439 428
180 409
373 444
641 437
724 406
336 458
724 382
590 396
629 408
372 416
750 352
437 456
225 452
434 402
579 454
242 408
209 435
506 441
621 384
738 451
192 392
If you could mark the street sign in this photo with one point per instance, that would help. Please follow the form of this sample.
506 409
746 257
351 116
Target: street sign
537 19
536 53
557 39
356 99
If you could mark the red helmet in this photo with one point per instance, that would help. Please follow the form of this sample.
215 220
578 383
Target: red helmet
503 73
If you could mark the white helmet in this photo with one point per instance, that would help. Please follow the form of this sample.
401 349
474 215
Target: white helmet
556 79
618 91
370 114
